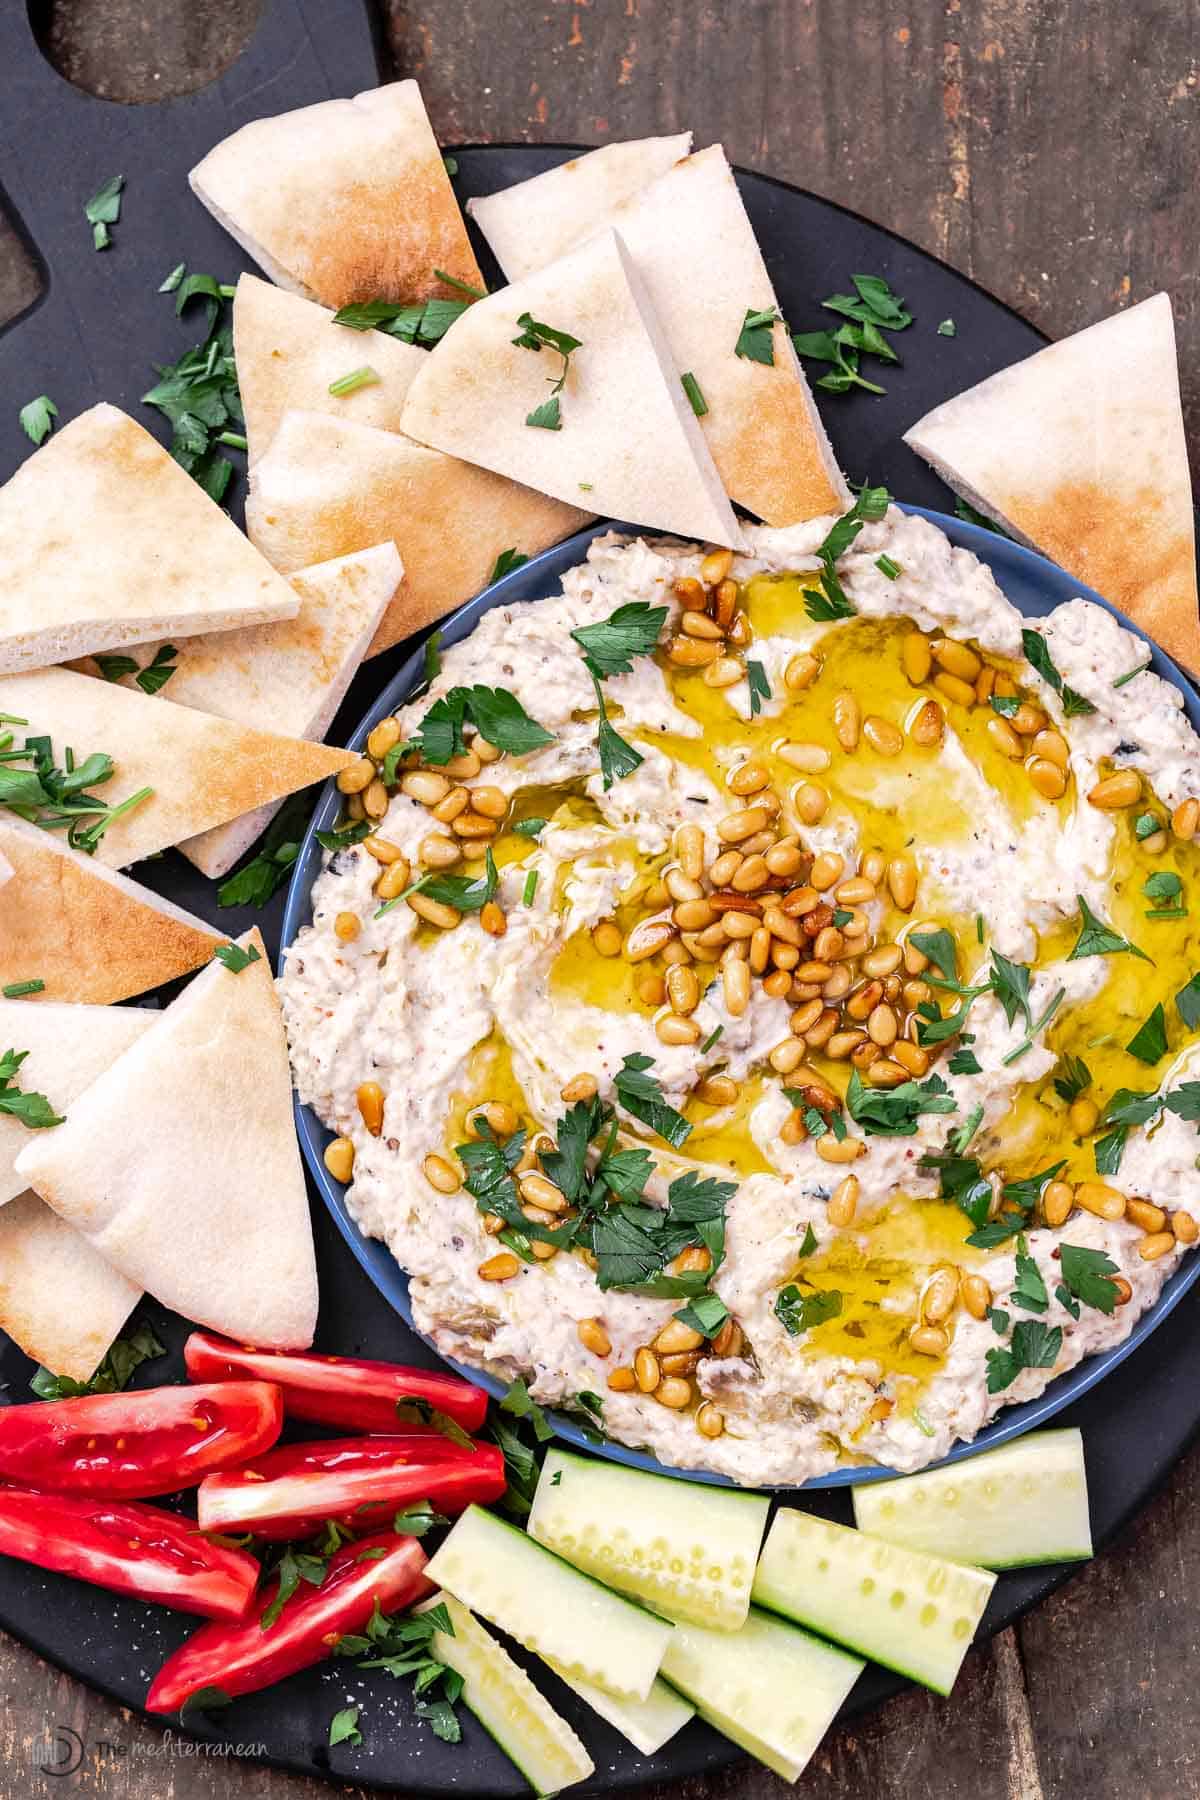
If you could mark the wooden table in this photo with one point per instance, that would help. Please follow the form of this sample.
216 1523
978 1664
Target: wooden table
1048 148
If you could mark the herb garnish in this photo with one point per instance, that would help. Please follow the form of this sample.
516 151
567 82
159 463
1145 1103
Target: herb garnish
705 1314
1034 1345
832 602
505 563
640 1094
466 893
972 516
547 416
56 798
893 1112
114 1374
152 679
343 836
17 990
696 400
1149 1041
403 1645
1098 939
1073 1078
1128 1108
756 341
1187 1002
495 713
760 687
873 309
1029 1289
947 328
235 958
37 418
414 1411
799 1311
1037 653
530 828
534 336
617 757
425 322
713 1035
610 645
255 882
887 567
199 393
1036 1025
362 377
343 1727
1129 674
1165 889
103 210
1086 1276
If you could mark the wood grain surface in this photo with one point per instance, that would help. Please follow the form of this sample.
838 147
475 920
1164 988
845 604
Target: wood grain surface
1047 148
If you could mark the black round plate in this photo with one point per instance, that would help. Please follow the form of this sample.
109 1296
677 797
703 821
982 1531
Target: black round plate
812 248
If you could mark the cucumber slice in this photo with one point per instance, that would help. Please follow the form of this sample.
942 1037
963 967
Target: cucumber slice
507 1704
688 1551
769 1687
648 1724
1024 1503
550 1607
904 1609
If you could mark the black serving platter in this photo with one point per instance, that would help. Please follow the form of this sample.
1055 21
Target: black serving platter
94 334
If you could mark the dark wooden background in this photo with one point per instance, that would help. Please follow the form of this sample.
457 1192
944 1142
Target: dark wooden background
1049 149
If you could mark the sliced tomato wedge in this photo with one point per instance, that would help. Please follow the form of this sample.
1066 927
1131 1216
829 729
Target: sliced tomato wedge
359 1482
133 1549
337 1390
242 1658
126 1446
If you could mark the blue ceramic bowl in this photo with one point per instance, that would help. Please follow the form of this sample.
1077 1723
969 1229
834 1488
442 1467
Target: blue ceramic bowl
1035 587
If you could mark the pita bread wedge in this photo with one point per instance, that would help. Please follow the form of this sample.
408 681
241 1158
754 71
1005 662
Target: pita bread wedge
291 677
534 222
87 932
5 871
346 200
59 1299
327 487
761 426
628 439
67 1048
199 771
289 351
1080 452
106 542
180 1165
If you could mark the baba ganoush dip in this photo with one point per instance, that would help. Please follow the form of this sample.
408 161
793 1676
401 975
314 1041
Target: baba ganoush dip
763 1012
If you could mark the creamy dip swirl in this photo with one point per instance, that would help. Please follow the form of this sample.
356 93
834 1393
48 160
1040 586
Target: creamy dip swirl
920 779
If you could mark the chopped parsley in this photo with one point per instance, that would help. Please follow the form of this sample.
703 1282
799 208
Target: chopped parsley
103 210
799 1311
18 990
696 400
970 515
530 828
1010 984
1038 655
831 601
1098 939
425 322
531 881
1036 1025
1073 1077
887 567
58 799
343 1727
755 341
115 1371
713 1035
464 287
872 303
640 1094
1129 674
37 418
960 1138
893 1112
547 416
467 893
362 377
402 1644
536 336
235 958
1029 1288
505 563
343 836
947 328
151 679
1146 825
617 757
964 1061
256 881
939 947
1033 1345
417 1519
496 714
705 1314
760 687
610 645
1187 1002
961 1180
1087 1277
199 394
1149 1041
870 311
1165 889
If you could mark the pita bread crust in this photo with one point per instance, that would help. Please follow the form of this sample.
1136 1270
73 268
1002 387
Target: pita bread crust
346 200
1080 451
68 1047
288 352
535 222
180 1164
326 487
6 870
108 542
87 932
203 770
291 677
59 1300
629 438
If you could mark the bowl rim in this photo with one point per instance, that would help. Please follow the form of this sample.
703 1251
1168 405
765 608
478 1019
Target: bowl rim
374 1256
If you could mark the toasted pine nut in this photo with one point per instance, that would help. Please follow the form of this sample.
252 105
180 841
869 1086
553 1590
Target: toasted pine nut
884 738
434 912
866 1055
375 800
1057 1200
716 566
1184 820
354 808
725 867
593 1337
425 786
501 1119
473 825
699 625
437 852
646 1370
1004 737
1083 1115
381 740
1157 1244
357 777
810 758
501 1267
1155 844
752 875
710 1423
828 868
690 594
580 1087
692 653
956 658
838 984
723 673
382 849
717 1090
927 726
910 1057
855 892
976 1296
882 1026
462 768
606 938
735 827
682 887
902 881
784 859
622 1381
801 672
487 753
689 915
839 1150
739 926
985 685
735 983
369 1096
675 1337
1052 745
1098 1198
843 1202
346 927
1049 780
1185 1227
828 944
651 989
939 1295
689 847
492 919
683 989
490 802
811 802
847 719
884 960
916 993
1124 1292
954 688
786 1057
842 1043
338 1158
1028 720
671 1029
1123 788
674 1392
778 984
1144 1214
929 1340
916 657
442 1175
806 1016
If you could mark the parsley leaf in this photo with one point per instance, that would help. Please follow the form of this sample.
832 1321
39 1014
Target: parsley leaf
547 416
893 1112
798 1312
972 516
1187 1002
760 687
343 836
1098 939
37 418
617 757
255 882
32 1110
423 322
705 1314
1010 984
947 328
1087 1275
496 714
1029 1289
199 394
235 958
1034 1345
872 303
343 1727
417 1519
103 210
505 563
1074 1077
964 1061
294 1566
755 341
939 947
641 1095
610 645
1037 653
1149 1041
1165 889
832 602
114 1373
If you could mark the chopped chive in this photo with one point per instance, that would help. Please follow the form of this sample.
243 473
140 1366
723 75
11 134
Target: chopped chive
464 287
1027 1042
691 388
979 927
531 881
1130 673
710 1040
347 384
415 888
887 567
12 719
1173 912
17 990
234 439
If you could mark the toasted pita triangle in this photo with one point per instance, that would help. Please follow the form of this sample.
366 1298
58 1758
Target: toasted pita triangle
180 1166
291 677
68 1046
346 200
1080 452
761 425
534 222
87 932
106 542
202 770
59 1300
289 351
629 439
326 487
